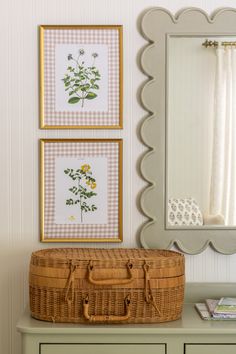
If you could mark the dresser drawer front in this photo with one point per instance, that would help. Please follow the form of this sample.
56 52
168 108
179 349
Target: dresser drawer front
102 349
210 349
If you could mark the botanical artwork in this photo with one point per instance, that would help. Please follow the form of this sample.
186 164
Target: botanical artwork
81 77
81 190
81 80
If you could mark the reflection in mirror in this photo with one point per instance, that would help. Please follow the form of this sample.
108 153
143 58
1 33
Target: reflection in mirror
201 131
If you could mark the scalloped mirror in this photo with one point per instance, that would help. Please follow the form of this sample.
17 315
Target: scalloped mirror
191 130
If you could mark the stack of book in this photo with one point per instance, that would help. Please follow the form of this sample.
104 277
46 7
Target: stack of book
221 309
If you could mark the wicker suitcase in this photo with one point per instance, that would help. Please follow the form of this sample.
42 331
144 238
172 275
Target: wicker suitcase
85 285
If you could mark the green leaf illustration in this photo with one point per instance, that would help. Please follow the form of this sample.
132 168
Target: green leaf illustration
73 100
91 95
84 87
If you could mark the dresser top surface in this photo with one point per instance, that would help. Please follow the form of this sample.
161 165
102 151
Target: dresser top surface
189 323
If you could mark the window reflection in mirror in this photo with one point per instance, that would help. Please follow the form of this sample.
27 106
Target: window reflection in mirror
201 132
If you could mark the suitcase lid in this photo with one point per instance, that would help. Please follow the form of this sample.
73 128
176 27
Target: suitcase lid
107 257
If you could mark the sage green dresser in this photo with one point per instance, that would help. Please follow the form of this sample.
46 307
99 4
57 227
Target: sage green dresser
189 335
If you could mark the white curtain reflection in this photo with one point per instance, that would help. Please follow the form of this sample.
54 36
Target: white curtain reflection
223 166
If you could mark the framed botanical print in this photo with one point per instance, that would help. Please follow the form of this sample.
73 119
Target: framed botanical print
81 77
81 190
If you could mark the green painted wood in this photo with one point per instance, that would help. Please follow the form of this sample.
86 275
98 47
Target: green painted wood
102 349
157 25
191 323
189 335
211 349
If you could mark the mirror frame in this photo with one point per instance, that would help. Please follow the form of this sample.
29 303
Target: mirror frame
157 24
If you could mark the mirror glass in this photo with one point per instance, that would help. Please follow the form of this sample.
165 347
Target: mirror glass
200 132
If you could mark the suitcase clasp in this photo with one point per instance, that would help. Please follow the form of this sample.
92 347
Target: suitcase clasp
148 289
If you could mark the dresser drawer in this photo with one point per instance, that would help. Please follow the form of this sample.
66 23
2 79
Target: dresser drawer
210 348
102 348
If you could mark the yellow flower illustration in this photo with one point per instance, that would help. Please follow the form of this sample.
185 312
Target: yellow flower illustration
81 191
91 184
85 168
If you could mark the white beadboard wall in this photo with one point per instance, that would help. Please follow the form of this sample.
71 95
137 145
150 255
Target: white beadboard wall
19 134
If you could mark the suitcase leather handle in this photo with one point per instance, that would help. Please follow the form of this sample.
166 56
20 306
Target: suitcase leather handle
110 281
106 318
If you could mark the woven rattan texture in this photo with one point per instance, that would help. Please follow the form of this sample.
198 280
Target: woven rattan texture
61 256
49 305
59 283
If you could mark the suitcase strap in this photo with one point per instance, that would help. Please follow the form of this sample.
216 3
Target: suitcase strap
106 318
71 282
148 289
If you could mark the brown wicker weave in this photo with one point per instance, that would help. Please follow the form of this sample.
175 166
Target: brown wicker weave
106 285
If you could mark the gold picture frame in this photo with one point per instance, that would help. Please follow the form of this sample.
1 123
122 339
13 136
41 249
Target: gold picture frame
81 77
81 190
